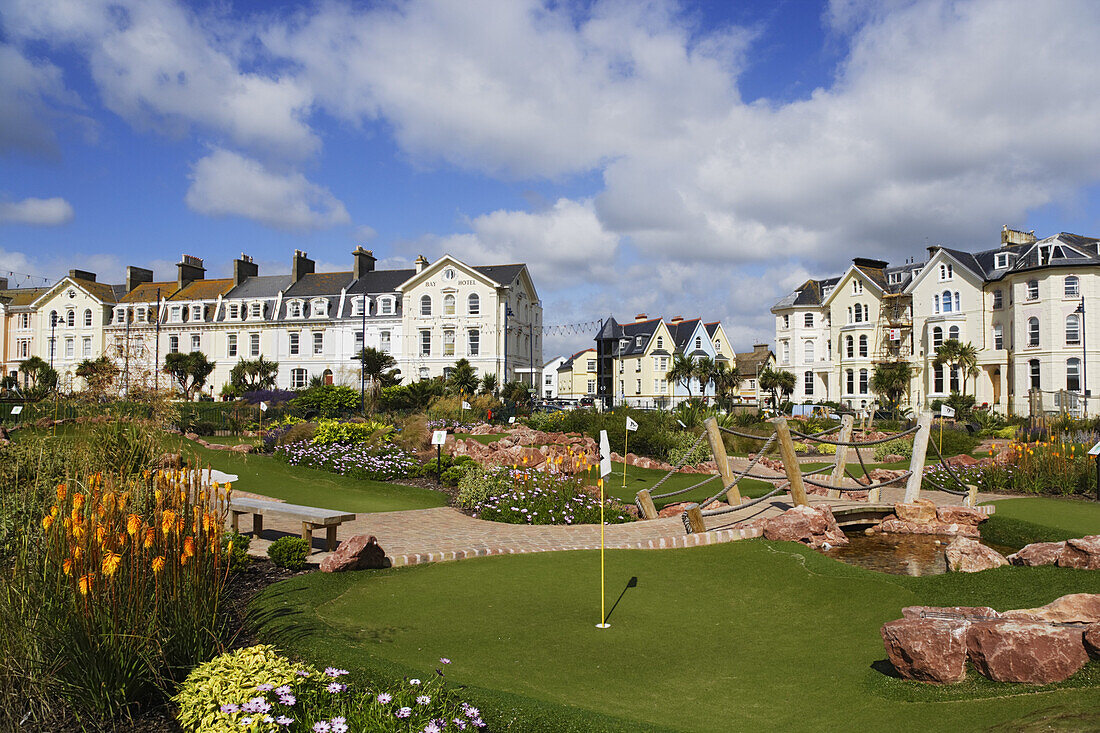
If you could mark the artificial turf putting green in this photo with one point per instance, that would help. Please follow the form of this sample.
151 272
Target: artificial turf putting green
1041 519
262 474
644 478
749 635
483 439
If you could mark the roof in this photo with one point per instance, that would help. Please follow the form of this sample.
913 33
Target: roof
630 332
503 274
102 291
380 281
568 363
319 283
149 292
750 360
260 286
204 289
17 297
682 331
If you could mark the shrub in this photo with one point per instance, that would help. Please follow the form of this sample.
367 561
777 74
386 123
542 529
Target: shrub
235 550
1005 433
899 447
478 484
412 433
453 469
289 552
328 400
1053 467
954 442
303 431
336 431
270 396
683 454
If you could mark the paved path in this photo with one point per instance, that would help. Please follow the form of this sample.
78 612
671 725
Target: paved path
444 533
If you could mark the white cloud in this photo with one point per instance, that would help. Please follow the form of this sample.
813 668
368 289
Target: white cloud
225 183
364 233
50 212
25 88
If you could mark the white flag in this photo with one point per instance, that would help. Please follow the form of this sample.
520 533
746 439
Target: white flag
947 411
465 405
263 407
631 425
605 454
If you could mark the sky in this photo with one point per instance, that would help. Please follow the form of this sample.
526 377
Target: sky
641 156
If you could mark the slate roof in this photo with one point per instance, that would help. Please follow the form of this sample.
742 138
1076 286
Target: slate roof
615 331
810 293
147 292
503 274
316 284
682 331
261 286
568 363
204 289
748 361
380 281
103 291
17 297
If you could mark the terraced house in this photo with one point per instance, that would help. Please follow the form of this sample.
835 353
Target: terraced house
1023 306
312 323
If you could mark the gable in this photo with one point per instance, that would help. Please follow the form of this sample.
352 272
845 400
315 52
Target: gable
436 268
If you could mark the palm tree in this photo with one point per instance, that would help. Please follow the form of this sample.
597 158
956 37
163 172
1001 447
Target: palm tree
891 380
704 372
488 385
39 378
463 379
958 356
375 365
682 371
776 381
98 373
726 380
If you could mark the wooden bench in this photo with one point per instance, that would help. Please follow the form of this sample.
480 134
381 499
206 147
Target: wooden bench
311 517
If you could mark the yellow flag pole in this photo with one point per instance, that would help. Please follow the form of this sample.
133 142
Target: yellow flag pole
626 442
603 613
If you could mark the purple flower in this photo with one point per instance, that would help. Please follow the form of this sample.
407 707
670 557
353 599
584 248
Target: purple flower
283 690
384 698
288 699
284 720
459 723
432 727
333 672
335 687
414 682
301 673
244 722
230 707
444 660
404 712
423 700
264 687
321 726
339 725
471 711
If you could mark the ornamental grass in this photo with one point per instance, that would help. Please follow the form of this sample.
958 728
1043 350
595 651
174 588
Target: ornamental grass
119 592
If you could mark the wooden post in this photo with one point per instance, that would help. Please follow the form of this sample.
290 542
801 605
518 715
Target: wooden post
718 450
971 496
846 425
790 461
234 521
649 511
307 534
920 448
330 539
695 519
257 525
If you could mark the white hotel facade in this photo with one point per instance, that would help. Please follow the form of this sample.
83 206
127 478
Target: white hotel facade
1030 307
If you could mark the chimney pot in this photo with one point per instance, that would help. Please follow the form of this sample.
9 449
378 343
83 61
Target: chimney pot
300 265
189 269
243 269
640 317
136 276
82 275
364 262
421 263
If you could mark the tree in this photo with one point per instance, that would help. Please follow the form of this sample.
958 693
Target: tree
682 371
726 381
39 378
189 370
249 375
704 372
378 369
98 373
463 380
776 381
958 356
488 385
518 393
891 380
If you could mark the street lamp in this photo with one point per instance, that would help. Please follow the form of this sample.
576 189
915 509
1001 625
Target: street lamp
1084 355
53 338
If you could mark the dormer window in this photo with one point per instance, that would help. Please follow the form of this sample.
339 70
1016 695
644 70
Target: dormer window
255 311
1001 260
318 309
197 313
638 342
141 314
235 311
826 290
120 314
294 309
895 278
175 314
385 306
357 306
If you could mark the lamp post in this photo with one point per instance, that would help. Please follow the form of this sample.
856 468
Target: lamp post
1084 356
363 360
53 338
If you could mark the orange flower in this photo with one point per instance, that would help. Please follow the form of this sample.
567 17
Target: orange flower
159 496
188 546
150 536
62 491
67 566
133 524
47 521
78 502
167 521
158 563
77 552
85 583
99 533
111 562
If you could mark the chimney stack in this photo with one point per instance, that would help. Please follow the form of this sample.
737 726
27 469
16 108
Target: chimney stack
82 275
244 268
640 317
421 262
136 276
364 262
189 269
300 265
677 319
3 283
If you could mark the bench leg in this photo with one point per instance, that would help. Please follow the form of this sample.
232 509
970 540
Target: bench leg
257 525
234 521
330 541
307 535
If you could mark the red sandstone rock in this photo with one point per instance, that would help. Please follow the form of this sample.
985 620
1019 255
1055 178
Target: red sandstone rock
1075 608
960 515
884 474
241 448
1082 553
813 526
1038 553
1023 651
974 612
673 510
897 526
893 458
928 650
922 511
356 553
969 556
1092 639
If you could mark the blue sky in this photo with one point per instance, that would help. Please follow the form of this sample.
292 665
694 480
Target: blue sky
693 158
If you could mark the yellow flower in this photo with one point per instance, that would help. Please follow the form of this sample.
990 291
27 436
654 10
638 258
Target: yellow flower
77 552
188 546
159 496
47 521
84 583
158 563
133 524
150 536
167 522
99 533
62 491
228 487
78 502
111 562
67 566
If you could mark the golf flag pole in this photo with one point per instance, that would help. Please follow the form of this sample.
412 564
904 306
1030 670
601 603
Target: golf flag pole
630 427
605 471
945 411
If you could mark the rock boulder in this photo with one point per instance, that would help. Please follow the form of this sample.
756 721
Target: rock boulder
1038 553
969 556
814 526
357 553
1092 640
1082 553
928 650
1025 651
960 515
921 511
1076 608
974 613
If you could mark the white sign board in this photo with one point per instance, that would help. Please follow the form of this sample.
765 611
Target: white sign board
631 425
947 411
263 407
511 421
439 437
17 409
605 455
465 405
1095 451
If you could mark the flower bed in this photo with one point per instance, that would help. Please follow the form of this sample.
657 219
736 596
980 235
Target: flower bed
378 463
523 496
1048 467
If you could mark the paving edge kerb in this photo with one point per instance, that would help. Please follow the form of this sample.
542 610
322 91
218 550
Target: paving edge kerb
711 537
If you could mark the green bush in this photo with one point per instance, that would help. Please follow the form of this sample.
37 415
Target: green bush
900 447
289 552
682 453
954 442
1005 433
232 679
235 548
336 431
452 469
478 484
328 400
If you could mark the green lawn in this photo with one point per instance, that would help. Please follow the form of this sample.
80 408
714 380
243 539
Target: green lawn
749 635
644 478
483 439
262 474
1034 519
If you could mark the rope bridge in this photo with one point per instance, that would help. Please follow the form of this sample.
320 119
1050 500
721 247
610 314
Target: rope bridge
793 478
